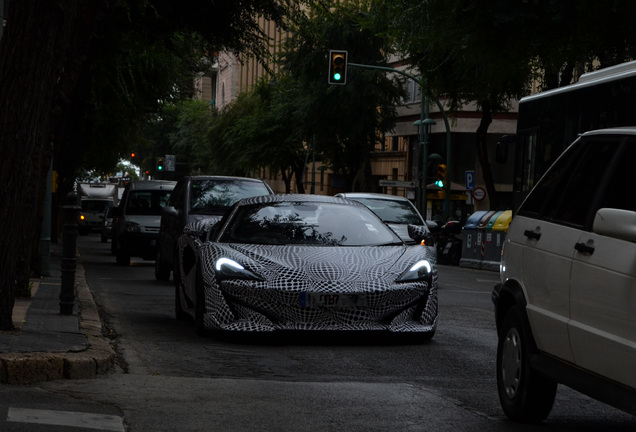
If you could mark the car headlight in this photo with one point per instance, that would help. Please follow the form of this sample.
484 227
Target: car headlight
421 270
227 268
132 227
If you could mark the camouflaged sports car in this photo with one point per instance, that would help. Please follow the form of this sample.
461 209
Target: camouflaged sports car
304 262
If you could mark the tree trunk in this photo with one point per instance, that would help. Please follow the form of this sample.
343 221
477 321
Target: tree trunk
32 54
482 153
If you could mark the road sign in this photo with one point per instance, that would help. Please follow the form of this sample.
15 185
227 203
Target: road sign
470 180
479 194
397 183
171 162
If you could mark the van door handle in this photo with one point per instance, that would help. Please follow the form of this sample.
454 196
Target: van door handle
532 234
583 248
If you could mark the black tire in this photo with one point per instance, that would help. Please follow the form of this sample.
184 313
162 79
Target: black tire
199 307
526 395
162 268
180 314
455 254
122 258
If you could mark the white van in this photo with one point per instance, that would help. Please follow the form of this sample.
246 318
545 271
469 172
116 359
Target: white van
565 308
137 218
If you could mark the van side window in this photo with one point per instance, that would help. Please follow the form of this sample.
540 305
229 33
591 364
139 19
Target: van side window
540 199
619 193
583 182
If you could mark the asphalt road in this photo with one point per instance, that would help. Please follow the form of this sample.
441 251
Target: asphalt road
170 379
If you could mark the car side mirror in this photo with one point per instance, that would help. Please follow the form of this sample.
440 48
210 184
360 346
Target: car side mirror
616 223
169 210
420 233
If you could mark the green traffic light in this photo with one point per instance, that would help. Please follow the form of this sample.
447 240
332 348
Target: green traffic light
439 183
160 167
337 76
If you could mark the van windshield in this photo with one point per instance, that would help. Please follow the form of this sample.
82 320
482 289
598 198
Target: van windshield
149 203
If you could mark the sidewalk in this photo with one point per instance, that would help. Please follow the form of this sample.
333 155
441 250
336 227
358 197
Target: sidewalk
47 345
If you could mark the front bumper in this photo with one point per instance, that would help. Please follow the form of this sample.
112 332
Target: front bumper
251 306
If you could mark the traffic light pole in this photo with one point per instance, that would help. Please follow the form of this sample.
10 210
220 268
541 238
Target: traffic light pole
424 122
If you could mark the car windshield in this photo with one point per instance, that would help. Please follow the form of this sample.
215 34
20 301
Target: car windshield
391 211
147 202
215 194
307 223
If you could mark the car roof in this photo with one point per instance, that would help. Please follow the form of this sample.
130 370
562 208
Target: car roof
627 130
277 198
369 195
218 177
151 185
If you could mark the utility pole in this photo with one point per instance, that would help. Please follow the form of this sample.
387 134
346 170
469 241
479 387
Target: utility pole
424 124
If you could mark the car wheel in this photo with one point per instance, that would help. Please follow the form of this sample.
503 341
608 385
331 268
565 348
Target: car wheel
178 309
526 395
113 246
199 307
122 258
162 269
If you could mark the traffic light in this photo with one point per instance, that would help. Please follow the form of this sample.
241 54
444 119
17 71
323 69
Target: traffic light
132 155
440 175
160 163
337 67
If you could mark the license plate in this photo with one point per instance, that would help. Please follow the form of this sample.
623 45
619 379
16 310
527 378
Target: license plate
332 300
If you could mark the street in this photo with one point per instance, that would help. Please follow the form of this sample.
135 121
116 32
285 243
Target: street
167 378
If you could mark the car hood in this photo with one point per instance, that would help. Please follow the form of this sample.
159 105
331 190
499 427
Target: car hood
320 263
152 221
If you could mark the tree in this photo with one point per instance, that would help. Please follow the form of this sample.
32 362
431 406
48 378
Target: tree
346 121
50 54
490 51
260 129
279 122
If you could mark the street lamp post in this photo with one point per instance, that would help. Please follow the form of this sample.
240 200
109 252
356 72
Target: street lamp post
424 124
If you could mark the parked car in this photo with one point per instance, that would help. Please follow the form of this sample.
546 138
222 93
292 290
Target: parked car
195 198
304 262
136 219
396 211
565 308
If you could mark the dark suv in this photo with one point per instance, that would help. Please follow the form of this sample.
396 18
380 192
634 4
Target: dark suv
566 305
195 198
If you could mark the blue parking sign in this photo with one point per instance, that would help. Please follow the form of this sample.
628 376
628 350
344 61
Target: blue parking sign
470 180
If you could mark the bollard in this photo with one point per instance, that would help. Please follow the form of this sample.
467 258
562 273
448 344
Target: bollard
70 218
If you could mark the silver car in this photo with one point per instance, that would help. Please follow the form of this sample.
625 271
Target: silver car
396 211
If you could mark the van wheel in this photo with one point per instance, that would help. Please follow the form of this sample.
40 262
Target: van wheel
526 395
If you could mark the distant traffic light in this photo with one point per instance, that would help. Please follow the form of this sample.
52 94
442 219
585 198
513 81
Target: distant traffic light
440 175
337 67
160 163
132 155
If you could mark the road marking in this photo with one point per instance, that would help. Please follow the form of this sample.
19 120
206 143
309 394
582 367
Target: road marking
66 418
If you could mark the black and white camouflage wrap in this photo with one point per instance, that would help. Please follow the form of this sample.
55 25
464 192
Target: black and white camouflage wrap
290 274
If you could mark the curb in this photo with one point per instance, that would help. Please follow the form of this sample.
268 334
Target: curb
97 359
